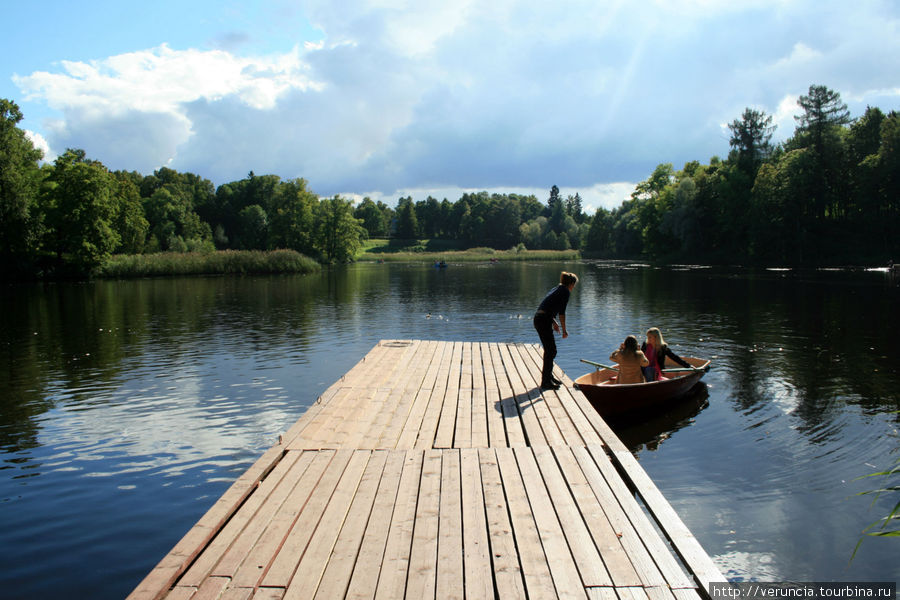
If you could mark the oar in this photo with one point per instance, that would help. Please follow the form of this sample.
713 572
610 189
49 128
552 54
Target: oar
672 370
599 366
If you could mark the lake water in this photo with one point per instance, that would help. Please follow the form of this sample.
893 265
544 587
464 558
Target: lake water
127 408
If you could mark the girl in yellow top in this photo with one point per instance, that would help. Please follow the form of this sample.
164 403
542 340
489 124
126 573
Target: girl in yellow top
630 360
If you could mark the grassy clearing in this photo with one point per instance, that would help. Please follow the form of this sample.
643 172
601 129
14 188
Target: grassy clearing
395 254
381 246
206 263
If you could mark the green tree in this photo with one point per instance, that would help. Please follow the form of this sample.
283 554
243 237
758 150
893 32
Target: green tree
557 216
428 216
599 237
254 227
339 234
373 218
885 177
651 200
724 194
223 208
503 221
822 109
780 229
819 128
20 179
866 217
751 138
681 221
864 138
471 224
529 206
174 225
80 211
532 233
627 230
291 217
550 240
553 201
130 222
407 221
574 208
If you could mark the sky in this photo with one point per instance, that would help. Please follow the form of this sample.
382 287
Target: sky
387 98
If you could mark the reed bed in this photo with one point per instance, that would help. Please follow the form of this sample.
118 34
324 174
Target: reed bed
224 262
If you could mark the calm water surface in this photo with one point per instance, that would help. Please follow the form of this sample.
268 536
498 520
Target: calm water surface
127 408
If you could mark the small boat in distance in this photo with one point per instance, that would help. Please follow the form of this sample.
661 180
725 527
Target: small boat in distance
611 399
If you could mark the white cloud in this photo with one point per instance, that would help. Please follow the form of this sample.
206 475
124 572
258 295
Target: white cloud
160 79
465 95
130 110
783 118
41 144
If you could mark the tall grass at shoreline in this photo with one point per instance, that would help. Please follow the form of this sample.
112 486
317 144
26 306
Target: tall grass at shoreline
206 263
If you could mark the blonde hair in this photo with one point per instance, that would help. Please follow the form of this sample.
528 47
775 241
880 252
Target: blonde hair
566 278
654 331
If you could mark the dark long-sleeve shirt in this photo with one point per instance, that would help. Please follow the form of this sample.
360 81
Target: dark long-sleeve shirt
664 352
554 303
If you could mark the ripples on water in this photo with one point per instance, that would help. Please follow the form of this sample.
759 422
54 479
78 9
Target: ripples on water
130 407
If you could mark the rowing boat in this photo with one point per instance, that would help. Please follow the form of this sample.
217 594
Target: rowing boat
611 399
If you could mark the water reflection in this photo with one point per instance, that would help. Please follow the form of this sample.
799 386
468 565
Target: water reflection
128 407
647 431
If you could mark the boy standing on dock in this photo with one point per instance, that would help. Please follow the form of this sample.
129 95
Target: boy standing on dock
554 303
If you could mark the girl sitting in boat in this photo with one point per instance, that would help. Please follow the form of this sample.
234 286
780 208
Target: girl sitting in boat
656 350
630 361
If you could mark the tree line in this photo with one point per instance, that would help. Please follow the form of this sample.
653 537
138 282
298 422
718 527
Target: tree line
66 218
828 193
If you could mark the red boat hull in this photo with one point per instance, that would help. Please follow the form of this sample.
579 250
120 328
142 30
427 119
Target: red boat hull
611 399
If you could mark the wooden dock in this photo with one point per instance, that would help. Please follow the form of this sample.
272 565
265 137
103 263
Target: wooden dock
440 470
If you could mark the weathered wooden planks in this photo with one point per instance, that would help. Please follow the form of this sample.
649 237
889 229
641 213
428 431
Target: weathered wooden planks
440 470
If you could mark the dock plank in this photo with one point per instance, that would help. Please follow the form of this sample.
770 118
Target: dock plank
440 470
260 557
618 519
395 564
507 572
336 578
447 422
563 569
581 544
413 427
450 539
480 409
372 547
427 429
294 546
656 546
612 553
525 399
535 566
493 399
422 575
310 568
515 434
476 547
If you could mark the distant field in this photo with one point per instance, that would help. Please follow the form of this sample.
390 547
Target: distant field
436 250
